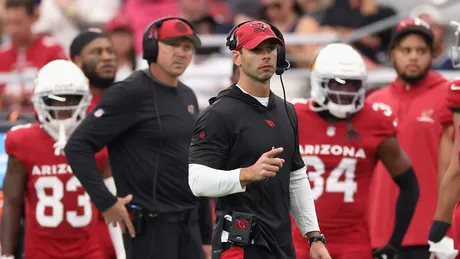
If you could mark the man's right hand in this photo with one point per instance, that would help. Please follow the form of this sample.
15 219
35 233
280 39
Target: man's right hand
267 166
118 214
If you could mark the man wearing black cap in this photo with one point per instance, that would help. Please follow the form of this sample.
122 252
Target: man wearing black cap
146 121
93 52
417 99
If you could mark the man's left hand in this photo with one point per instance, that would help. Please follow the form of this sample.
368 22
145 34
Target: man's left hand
386 252
318 251
207 251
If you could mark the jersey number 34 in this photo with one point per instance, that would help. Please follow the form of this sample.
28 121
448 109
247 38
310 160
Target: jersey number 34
332 184
54 201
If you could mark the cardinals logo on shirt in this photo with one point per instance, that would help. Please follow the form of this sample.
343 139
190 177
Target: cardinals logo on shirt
426 116
191 109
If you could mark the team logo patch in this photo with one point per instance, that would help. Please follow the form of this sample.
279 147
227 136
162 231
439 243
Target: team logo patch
426 116
270 123
191 109
241 224
259 27
98 113
180 27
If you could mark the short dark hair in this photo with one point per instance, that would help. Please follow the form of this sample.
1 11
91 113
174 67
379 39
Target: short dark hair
29 5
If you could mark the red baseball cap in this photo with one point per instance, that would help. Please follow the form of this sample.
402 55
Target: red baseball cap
174 28
413 26
118 22
251 34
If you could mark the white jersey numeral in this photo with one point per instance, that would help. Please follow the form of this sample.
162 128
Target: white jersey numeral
348 186
53 201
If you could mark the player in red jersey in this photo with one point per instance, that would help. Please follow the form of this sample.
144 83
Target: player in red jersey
449 192
60 218
341 138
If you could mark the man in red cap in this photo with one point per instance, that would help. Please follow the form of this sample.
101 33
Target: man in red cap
245 151
146 122
416 97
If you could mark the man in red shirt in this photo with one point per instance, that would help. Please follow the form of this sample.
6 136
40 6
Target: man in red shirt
416 98
24 54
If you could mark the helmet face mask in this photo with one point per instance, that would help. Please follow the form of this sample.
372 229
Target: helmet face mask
338 80
343 91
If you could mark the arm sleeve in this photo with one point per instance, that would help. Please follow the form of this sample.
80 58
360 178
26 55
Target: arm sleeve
405 205
208 182
297 161
112 116
205 219
302 204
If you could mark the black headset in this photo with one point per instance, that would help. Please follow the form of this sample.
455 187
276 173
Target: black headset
282 64
150 38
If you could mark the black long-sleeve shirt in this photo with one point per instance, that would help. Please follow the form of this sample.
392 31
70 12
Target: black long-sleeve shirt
148 154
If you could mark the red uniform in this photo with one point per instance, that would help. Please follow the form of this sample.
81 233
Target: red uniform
420 110
18 69
340 174
61 221
95 99
453 102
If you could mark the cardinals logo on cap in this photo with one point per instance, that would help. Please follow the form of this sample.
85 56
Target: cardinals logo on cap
259 27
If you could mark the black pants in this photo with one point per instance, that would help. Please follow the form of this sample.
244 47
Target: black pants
415 252
167 239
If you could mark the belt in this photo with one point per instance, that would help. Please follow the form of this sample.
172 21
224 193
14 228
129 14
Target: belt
173 217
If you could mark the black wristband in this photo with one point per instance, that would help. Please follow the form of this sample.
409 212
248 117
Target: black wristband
438 230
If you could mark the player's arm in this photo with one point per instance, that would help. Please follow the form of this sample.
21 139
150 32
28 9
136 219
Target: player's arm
14 186
445 152
301 199
400 167
114 231
115 113
208 151
449 193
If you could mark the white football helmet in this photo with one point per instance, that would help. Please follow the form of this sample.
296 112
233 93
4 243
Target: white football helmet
60 97
338 80
455 50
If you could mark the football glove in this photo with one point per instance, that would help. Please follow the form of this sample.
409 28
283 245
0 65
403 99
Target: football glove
443 249
386 252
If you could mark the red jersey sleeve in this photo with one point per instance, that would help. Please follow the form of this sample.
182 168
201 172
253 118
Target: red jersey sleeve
453 96
101 159
386 124
14 141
